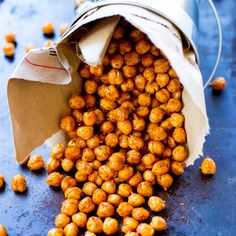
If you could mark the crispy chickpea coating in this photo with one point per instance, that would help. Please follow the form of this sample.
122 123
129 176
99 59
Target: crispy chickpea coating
80 219
142 46
144 99
80 178
115 77
151 88
105 209
138 123
156 132
128 105
102 152
136 200
85 71
173 86
67 123
88 155
94 224
174 105
73 153
101 90
118 114
107 127
149 159
145 189
84 167
161 66
177 168
140 82
142 111
147 60
135 180
117 61
89 188
48 28
112 140
172 73
77 102
55 232
125 173
136 35
124 209
163 95
62 220
67 182
161 167
162 79
109 187
54 179
179 153
18 183
73 193
113 47
71 229
96 164
118 33
145 230
123 141
86 205
167 153
141 167
99 196
107 104
176 120
140 214
171 142
97 71
29 47
85 132
218 84
95 178
105 172
208 166
131 58
129 71
100 116
155 103
155 147
133 157
135 143
110 226
90 86
124 190
57 151
158 223
114 199
111 92
125 46
179 135
90 100
166 125
78 115
156 115
69 207
124 96
127 85
89 118
35 162
129 224
165 180
116 161
156 204
149 176
1 181
124 127
154 50
149 74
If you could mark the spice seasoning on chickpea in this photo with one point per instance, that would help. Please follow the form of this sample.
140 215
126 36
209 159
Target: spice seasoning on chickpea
145 230
114 199
80 219
54 179
208 166
35 162
86 205
56 232
124 209
73 193
110 226
67 182
18 183
165 180
140 214
71 229
156 204
158 223
62 220
145 189
94 224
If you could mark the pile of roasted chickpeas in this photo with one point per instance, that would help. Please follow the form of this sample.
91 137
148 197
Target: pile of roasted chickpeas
127 136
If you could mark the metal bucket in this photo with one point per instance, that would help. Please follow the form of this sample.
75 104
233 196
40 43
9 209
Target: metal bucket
184 14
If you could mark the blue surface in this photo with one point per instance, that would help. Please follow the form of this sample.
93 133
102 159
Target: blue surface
209 202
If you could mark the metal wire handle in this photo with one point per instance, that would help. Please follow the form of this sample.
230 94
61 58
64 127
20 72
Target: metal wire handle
220 42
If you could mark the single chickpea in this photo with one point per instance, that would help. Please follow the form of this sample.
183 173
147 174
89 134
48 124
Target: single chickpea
140 214
171 142
142 111
48 28
131 58
107 127
88 155
135 143
218 84
145 189
90 101
179 153
179 135
147 60
99 196
167 153
10 37
149 74
118 114
73 193
208 166
145 230
67 124
80 178
128 105
112 140
161 66
101 90
109 187
89 118
162 79
105 209
89 188
133 157
129 224
140 82
35 162
151 88
163 96
176 120
86 205
72 143
112 48
85 132
116 161
123 141
67 182
29 47
129 71
90 86
80 219
54 179
158 223
156 204
63 28
55 232
174 105
96 164
107 104
124 190
161 167
57 151
71 229
81 143
149 176
141 167
84 167
124 126
127 85
118 33
154 50
3 231
110 226
1 181
117 61
144 100
142 46
18 183
165 180
95 178
166 125
97 71
156 115
155 147
100 116
115 77
78 115
102 152
155 103
114 199
62 220
174 85
125 46
156 132
149 159
172 73
139 123
125 173
177 168
73 153
94 224
111 92
105 172
124 209
135 180
136 200
69 207
84 71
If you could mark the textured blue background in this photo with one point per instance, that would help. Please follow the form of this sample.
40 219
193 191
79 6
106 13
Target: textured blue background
210 202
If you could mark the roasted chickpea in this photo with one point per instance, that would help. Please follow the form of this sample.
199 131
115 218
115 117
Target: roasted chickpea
149 176
136 200
67 124
118 114
57 151
90 86
142 111
109 187
116 161
149 74
133 157
85 132
1 181
94 224
88 154
124 126
54 179
117 61
107 104
166 125
112 140
174 105
129 224
112 48
131 58
145 230
218 84
145 189
161 167
105 209
208 166
77 102
158 223
95 178
135 143
89 188
124 190
138 123
100 116
97 71
35 162
18 183
115 77
156 132
62 220
110 226
179 153
71 230
10 37
89 118
73 153
141 167
179 135
140 214
125 46
106 127
149 159
177 168
176 120
86 205
155 103
125 173
124 209
127 85
163 96
101 90
55 232
156 115
80 219
118 33
67 182
136 35
155 147
69 207
124 96
85 71
147 60
96 164
102 152
144 99
135 180
99 196
73 193
111 92
161 66
140 82
162 80
123 141
114 199
151 88
128 105
83 167
156 204
142 46
105 172
48 28
80 178
90 100
154 50
78 115
165 180
3 231
129 71
174 85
